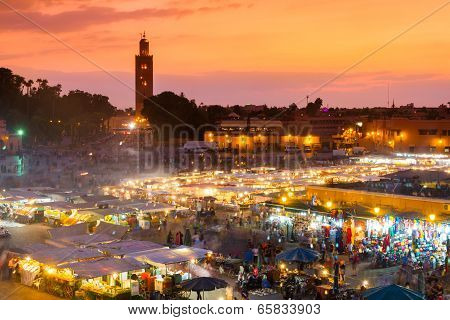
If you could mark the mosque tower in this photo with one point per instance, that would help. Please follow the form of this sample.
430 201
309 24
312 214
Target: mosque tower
143 74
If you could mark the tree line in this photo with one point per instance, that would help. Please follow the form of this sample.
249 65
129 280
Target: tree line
44 115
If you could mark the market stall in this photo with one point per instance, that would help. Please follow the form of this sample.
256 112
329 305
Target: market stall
394 240
65 213
152 214
106 278
46 270
169 267
29 214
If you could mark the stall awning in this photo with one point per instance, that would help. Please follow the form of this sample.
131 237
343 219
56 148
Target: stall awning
67 206
107 211
58 256
154 207
127 247
78 233
104 266
168 256
65 232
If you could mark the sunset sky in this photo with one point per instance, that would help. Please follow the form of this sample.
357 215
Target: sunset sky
237 52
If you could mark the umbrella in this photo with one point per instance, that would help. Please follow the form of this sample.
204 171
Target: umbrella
392 292
304 255
204 284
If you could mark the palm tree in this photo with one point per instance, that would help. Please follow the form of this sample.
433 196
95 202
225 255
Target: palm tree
29 84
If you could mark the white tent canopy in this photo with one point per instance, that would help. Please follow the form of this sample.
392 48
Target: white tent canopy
166 256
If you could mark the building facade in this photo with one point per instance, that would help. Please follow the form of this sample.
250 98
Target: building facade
407 135
257 135
11 157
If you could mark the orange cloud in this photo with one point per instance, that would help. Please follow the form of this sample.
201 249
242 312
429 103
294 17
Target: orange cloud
86 16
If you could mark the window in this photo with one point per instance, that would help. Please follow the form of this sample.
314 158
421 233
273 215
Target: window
432 149
447 149
432 132
144 66
423 132
411 149
444 132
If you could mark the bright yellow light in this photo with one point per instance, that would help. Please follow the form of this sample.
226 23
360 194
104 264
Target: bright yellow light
115 275
365 283
329 204
27 258
282 266
432 217
132 125
376 210
50 270
283 199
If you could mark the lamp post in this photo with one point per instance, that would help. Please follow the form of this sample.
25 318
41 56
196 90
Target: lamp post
133 127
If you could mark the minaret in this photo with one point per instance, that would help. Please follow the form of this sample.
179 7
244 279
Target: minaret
143 74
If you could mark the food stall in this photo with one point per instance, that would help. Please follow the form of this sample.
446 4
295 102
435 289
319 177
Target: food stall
169 267
106 278
151 214
63 213
45 269
29 214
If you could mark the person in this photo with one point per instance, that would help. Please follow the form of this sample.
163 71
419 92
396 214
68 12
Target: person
181 238
255 254
265 283
342 270
199 296
323 249
336 277
169 238
355 261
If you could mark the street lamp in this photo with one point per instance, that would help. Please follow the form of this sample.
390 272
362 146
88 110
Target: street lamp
132 125
20 132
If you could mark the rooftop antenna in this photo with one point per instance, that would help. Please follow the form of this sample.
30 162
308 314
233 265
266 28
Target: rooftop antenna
388 92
